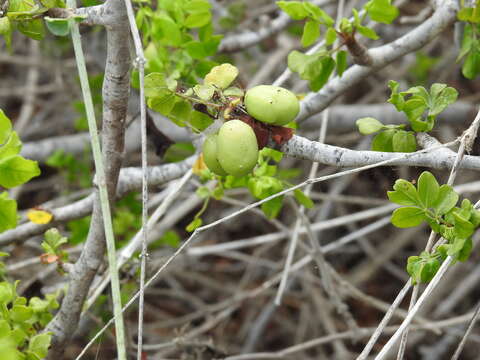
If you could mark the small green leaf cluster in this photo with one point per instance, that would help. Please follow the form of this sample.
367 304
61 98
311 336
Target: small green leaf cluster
420 106
314 18
436 205
317 68
178 37
20 323
214 96
24 16
14 170
52 247
470 49
421 109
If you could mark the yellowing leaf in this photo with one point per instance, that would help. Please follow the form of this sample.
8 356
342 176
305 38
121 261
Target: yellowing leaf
199 165
222 75
39 216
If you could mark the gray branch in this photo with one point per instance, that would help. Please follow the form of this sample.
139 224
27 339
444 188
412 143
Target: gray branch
341 157
116 88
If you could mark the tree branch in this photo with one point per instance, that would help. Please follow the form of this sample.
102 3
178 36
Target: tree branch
443 17
341 157
115 95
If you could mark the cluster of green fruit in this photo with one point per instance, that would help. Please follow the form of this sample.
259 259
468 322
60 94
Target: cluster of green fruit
234 149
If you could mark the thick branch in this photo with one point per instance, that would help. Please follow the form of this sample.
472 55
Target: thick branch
116 88
341 157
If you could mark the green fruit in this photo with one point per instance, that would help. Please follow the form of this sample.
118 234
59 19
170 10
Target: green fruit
210 155
272 104
237 148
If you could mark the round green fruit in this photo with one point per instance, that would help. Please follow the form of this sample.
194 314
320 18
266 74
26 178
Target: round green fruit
237 148
210 155
272 104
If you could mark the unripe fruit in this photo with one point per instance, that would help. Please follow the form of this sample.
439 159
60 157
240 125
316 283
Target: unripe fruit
272 104
210 155
237 148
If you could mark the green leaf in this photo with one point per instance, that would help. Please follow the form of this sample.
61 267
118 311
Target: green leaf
470 14
166 30
58 27
311 32
341 62
369 125
204 92
381 11
471 66
54 239
442 96
466 250
414 264
404 141
327 67
180 112
20 313
367 32
203 192
39 345
222 75
198 19
294 9
199 50
6 29
446 200
414 108
346 26
272 207
315 13
423 268
303 199
5 127
396 98
429 269
7 293
16 170
8 212
155 85
11 147
330 37
383 141
406 194
463 228
197 222
274 154
33 29
428 189
200 121
162 105
315 68
406 217
419 125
